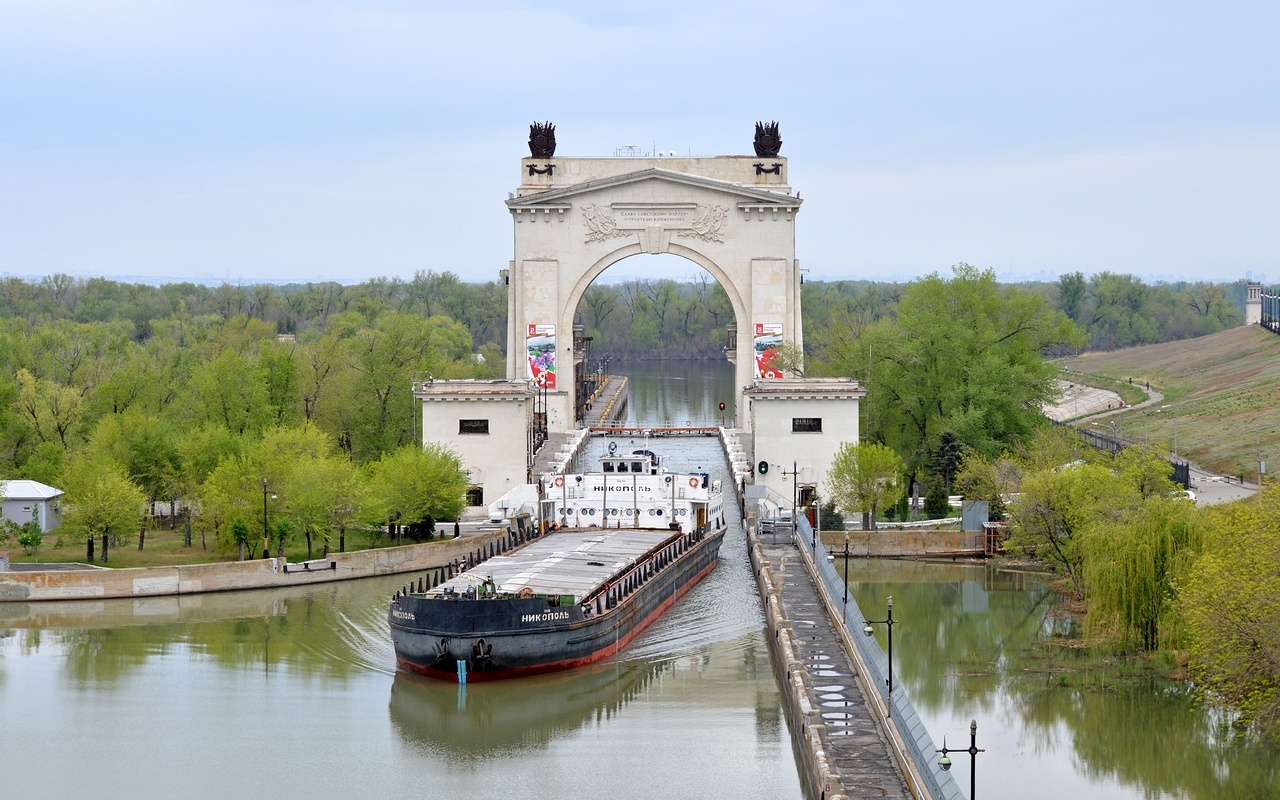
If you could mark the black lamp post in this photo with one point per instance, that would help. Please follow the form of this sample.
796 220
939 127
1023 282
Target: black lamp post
266 536
973 751
846 572
888 623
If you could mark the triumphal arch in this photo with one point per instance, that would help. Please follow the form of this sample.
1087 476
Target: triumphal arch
734 216
573 218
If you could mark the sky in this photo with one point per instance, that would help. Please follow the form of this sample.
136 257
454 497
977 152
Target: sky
278 140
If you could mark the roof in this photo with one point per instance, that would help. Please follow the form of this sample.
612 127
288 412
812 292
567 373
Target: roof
29 490
805 389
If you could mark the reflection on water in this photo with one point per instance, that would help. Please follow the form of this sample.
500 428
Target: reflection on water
966 649
245 694
677 393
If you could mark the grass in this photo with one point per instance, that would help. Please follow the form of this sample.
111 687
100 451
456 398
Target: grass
1130 393
164 548
1222 394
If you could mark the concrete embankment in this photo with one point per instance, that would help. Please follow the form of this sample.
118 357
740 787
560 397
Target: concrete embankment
267 573
845 750
910 543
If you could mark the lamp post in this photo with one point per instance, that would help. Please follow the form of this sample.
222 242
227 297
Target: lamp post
795 486
888 623
973 751
266 537
846 569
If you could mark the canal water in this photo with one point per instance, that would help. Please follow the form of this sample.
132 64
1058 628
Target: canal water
974 642
295 693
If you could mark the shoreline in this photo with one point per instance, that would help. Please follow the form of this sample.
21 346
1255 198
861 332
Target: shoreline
232 576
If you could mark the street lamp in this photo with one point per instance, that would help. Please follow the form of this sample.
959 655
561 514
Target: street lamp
973 751
888 623
846 568
266 536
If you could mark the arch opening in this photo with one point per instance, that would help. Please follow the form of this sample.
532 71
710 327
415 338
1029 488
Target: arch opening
666 324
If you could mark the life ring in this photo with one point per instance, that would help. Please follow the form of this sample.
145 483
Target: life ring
693 482
559 480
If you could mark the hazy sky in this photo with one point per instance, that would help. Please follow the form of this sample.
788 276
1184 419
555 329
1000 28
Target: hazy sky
340 140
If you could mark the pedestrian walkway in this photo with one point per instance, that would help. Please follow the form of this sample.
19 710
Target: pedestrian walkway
855 745
608 404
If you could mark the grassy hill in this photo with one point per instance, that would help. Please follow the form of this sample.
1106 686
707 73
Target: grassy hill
1222 390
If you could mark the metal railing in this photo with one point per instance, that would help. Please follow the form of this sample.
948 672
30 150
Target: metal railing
903 716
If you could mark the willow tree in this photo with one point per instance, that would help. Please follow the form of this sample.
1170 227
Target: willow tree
1130 566
864 478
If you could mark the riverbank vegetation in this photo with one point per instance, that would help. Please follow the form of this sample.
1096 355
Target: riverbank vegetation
1159 578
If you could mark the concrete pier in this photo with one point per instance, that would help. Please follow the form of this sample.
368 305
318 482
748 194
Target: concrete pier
608 404
845 751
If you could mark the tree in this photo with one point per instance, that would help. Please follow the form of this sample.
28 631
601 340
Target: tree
863 478
413 485
947 457
1130 566
1056 506
962 355
101 500
1229 598
1071 295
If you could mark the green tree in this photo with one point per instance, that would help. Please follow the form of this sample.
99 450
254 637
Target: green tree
1071 295
864 477
415 485
1129 569
1056 506
1229 598
962 355
101 500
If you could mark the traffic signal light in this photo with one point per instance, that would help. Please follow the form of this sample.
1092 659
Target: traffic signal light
762 467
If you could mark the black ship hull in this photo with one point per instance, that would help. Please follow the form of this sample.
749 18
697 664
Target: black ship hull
490 639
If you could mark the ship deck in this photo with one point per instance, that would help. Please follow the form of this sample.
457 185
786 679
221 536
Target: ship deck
568 562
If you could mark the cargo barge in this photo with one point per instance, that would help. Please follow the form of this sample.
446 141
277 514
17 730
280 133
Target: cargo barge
577 594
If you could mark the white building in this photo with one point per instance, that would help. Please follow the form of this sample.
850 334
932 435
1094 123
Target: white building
488 424
1253 304
27 500
798 425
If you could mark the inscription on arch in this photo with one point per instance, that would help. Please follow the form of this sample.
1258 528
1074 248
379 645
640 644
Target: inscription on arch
705 222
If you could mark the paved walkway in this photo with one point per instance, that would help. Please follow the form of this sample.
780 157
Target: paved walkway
855 746
609 403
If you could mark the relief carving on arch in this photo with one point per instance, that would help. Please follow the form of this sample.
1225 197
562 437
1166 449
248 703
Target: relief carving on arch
600 223
704 222
707 222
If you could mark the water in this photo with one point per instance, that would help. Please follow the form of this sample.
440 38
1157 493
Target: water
964 648
294 692
678 393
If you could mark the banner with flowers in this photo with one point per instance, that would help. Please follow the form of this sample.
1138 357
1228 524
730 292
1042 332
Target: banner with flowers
540 347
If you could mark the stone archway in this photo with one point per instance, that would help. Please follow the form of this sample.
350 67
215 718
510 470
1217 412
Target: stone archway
575 217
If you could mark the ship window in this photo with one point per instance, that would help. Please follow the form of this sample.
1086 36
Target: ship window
608 466
637 466
473 426
806 424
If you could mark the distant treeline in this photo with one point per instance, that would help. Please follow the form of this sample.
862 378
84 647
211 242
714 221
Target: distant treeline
635 319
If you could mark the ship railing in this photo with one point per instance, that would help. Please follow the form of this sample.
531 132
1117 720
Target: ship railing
610 594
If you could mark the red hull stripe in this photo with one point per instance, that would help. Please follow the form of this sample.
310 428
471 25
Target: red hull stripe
572 663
